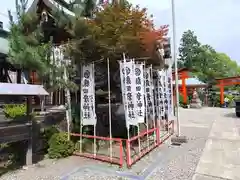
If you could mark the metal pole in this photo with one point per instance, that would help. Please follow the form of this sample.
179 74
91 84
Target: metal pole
109 109
158 106
176 65
93 110
80 112
146 103
152 101
124 100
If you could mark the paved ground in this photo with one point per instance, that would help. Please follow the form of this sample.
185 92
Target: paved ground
166 162
221 156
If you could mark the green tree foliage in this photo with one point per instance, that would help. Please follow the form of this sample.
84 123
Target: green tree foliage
204 60
30 52
116 28
27 51
94 33
189 50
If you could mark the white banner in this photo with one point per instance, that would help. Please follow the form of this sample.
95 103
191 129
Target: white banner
128 87
160 85
155 92
169 92
165 93
57 56
88 115
139 93
149 93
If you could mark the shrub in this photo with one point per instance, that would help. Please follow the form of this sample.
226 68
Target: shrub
49 132
14 110
46 135
60 146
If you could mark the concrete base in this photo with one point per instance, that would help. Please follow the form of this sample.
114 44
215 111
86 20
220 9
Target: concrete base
29 154
196 106
178 140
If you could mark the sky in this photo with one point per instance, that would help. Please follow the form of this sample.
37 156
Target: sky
215 22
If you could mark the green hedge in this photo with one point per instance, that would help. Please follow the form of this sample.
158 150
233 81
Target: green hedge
13 111
60 146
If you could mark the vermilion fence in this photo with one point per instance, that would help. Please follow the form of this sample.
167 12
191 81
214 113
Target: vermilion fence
134 151
132 155
114 157
170 131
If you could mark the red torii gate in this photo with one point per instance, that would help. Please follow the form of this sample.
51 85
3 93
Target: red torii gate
229 81
183 74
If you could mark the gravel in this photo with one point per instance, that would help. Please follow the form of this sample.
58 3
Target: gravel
166 162
180 162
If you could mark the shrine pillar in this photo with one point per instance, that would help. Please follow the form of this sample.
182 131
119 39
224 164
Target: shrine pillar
221 85
33 77
184 89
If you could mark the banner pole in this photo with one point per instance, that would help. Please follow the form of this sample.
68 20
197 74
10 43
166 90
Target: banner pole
93 110
80 112
146 103
126 106
109 109
158 106
152 101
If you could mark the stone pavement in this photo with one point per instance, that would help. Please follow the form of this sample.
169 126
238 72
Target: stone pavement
221 156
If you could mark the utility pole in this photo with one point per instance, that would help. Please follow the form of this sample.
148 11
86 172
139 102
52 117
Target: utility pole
178 139
176 65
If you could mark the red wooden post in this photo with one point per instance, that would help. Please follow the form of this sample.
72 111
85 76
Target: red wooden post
221 92
184 89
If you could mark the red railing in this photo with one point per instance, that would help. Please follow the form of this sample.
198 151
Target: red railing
143 151
118 146
105 158
171 131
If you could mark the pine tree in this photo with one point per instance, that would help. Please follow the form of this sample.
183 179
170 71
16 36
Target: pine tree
27 50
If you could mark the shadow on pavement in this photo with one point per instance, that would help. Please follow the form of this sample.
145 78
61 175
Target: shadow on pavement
231 115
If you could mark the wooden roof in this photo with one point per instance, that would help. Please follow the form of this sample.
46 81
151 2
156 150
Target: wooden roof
192 82
52 4
182 69
228 78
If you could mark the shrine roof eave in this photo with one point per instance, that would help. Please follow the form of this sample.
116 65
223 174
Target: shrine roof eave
193 86
51 4
22 89
193 82
228 78
182 70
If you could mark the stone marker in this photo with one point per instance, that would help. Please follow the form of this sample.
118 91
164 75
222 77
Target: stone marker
195 102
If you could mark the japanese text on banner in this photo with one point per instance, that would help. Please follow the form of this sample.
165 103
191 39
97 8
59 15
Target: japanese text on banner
139 93
88 114
149 93
128 86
